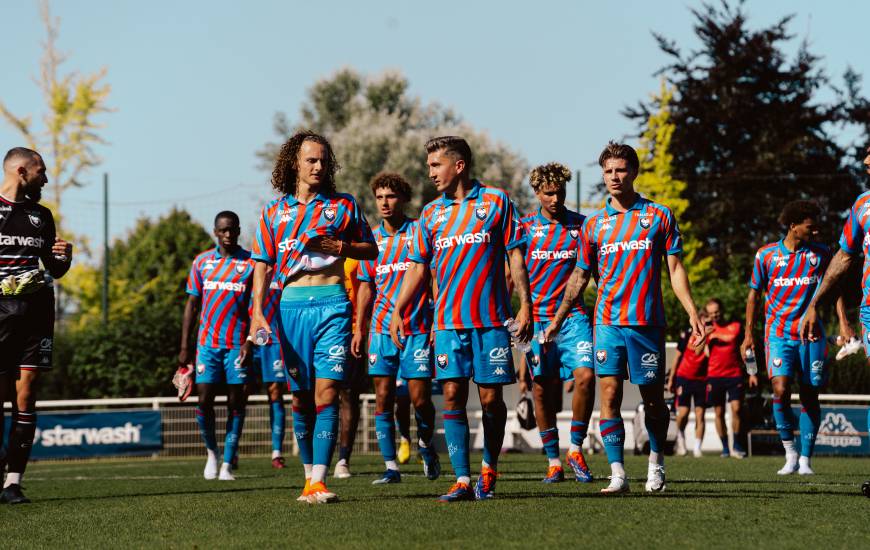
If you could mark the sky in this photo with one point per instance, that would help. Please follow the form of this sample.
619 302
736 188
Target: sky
196 84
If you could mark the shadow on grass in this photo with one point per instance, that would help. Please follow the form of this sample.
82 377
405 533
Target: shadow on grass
163 494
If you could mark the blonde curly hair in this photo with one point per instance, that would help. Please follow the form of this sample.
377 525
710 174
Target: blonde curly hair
552 173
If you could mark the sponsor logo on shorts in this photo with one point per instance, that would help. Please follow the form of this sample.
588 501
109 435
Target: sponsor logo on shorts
601 356
200 368
649 360
300 434
293 371
422 368
584 346
777 362
421 355
45 344
499 355
278 365
237 363
816 365
336 354
534 359
499 371
329 213
325 435
337 368
373 358
442 360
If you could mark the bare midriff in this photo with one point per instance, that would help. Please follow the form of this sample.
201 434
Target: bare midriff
331 275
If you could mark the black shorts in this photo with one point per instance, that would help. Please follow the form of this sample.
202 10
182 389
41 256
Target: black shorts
26 331
686 391
720 390
357 380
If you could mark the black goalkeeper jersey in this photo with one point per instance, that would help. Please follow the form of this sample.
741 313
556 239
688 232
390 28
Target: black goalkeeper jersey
27 234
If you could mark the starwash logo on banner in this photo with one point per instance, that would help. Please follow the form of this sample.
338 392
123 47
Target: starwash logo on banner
58 436
837 431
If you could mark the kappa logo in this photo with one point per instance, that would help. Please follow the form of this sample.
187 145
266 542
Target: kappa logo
781 263
422 368
329 213
442 360
481 212
650 374
539 233
499 355
649 360
601 356
645 223
441 218
777 362
373 358
208 265
288 215
421 355
337 368
500 371
574 233
605 227
35 220
837 431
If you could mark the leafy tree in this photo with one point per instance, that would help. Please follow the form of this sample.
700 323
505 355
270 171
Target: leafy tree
752 131
374 125
136 352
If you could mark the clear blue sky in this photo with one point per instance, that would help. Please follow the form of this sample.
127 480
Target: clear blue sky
196 84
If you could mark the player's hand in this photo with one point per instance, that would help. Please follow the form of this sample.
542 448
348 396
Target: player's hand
397 331
326 244
699 332
670 386
258 322
524 387
356 343
246 353
430 338
185 357
550 334
524 324
748 343
753 381
62 250
809 324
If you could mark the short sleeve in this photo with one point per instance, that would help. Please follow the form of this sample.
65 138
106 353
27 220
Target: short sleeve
421 243
362 231
586 254
512 229
366 271
853 232
194 280
672 238
758 281
263 249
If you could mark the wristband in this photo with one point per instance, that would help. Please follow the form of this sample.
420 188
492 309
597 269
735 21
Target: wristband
249 338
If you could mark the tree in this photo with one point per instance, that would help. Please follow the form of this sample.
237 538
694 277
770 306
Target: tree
373 125
72 102
136 352
751 132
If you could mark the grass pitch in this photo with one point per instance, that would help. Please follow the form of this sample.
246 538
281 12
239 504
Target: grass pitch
709 503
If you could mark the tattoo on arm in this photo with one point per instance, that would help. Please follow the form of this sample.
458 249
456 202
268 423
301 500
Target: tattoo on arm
574 289
838 267
520 276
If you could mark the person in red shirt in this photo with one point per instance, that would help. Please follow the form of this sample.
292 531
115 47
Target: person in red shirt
725 375
688 383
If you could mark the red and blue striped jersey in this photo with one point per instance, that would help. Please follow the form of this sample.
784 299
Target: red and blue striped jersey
286 225
790 279
465 242
224 285
626 250
271 305
551 253
856 239
387 273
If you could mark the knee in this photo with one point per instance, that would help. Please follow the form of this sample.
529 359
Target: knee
585 381
491 402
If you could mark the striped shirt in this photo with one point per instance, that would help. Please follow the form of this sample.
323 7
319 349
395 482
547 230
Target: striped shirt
387 273
551 253
465 242
224 285
790 279
626 250
855 239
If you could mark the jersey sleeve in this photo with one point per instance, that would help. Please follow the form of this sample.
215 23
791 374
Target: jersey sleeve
361 232
853 232
586 254
56 267
365 271
194 280
673 239
421 243
263 249
758 281
512 229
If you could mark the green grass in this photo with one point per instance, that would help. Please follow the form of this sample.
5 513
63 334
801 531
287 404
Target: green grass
709 503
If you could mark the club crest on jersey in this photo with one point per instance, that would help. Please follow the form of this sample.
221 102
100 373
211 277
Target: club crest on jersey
240 268
601 356
35 220
645 223
574 233
329 213
373 358
442 360
481 212
813 259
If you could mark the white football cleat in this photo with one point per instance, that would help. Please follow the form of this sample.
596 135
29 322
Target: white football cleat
655 478
804 466
211 469
697 453
341 470
618 485
226 472
791 466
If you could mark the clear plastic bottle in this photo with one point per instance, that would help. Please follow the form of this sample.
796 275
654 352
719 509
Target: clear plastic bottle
749 361
513 329
262 337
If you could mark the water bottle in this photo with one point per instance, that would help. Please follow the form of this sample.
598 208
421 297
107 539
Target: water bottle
543 340
751 365
513 329
261 337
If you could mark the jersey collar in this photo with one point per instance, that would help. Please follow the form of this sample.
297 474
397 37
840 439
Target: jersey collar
542 219
639 204
240 252
473 194
293 201
404 229
785 251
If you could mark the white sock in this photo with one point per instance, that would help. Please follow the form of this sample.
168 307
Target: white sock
617 469
276 454
318 473
804 461
657 458
554 462
307 468
341 462
391 465
463 479
790 452
226 467
12 478
574 448
697 444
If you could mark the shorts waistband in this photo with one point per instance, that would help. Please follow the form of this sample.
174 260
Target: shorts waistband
307 293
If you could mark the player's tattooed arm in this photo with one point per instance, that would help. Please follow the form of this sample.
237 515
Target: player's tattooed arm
188 326
414 279
846 331
262 273
520 277
683 292
364 295
749 326
573 290
838 267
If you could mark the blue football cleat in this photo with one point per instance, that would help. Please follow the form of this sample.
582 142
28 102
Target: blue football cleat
431 464
485 487
389 476
578 464
457 493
